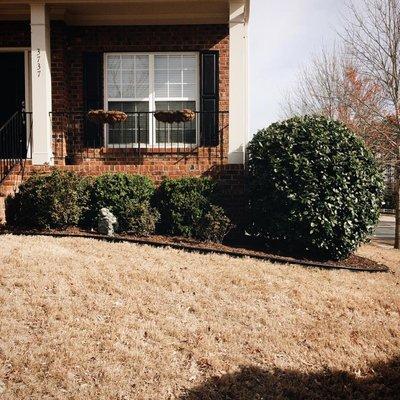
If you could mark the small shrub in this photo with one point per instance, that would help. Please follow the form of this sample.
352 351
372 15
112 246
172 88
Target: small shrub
116 192
389 201
183 203
139 219
214 226
314 187
57 200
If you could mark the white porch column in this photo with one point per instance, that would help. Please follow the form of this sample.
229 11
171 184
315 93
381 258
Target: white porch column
238 110
41 86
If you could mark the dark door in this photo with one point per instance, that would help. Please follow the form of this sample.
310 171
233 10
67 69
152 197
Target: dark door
12 98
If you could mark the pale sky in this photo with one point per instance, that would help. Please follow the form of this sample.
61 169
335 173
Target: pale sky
283 36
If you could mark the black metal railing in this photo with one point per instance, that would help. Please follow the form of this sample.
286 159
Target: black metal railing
15 135
141 137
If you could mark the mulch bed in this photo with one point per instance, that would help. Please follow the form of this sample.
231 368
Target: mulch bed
243 247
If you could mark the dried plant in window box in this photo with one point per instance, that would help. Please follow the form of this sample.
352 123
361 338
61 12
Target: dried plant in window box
106 117
178 116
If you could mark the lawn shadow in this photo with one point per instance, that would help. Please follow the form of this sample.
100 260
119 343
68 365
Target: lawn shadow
252 383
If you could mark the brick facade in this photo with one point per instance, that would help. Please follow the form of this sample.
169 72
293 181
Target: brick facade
68 45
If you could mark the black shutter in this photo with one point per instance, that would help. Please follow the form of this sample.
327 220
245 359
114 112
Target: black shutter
93 92
209 96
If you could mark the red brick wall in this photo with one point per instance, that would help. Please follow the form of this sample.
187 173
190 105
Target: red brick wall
69 44
15 34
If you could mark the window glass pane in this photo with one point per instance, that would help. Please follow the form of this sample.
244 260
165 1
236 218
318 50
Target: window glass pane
175 62
171 72
142 84
128 82
178 133
135 129
161 76
114 92
142 62
128 62
128 76
189 76
161 90
114 62
161 62
175 90
189 62
189 91
175 77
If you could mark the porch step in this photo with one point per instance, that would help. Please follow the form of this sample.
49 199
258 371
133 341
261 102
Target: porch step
11 182
8 187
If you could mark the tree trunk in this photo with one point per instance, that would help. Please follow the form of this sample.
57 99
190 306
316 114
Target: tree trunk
397 205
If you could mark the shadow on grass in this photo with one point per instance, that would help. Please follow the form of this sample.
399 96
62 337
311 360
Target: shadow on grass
252 383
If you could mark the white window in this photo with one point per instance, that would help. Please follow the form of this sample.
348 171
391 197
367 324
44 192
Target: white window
139 84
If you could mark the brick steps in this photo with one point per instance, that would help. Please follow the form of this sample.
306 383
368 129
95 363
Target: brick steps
9 187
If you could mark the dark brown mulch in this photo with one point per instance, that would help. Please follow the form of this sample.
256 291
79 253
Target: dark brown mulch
236 247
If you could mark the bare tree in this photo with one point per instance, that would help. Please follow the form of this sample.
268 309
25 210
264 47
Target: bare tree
359 84
332 86
372 37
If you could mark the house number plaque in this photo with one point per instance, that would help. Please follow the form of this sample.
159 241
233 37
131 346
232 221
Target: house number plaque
38 65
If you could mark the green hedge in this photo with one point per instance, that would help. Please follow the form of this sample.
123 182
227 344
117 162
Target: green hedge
314 187
63 199
48 201
122 194
186 205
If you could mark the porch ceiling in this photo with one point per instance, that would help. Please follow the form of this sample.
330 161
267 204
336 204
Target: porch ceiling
138 12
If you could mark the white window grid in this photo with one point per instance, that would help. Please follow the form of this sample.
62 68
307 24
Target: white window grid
152 99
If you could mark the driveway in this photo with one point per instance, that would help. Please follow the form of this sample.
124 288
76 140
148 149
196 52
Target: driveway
385 230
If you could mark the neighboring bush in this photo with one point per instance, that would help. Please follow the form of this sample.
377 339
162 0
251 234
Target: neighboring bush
214 226
183 204
389 201
139 219
119 193
48 201
314 187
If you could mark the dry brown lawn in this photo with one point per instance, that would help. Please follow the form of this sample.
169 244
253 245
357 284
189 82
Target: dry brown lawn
82 319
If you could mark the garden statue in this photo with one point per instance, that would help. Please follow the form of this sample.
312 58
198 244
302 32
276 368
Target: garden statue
107 222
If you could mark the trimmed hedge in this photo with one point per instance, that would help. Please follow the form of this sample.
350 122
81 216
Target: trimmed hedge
120 193
186 206
139 219
314 187
65 199
48 201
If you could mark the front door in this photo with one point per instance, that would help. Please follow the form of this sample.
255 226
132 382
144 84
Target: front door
12 99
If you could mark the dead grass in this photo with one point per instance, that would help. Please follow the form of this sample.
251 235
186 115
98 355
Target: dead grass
81 319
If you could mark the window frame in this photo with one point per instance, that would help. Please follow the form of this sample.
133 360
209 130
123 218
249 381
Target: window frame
152 143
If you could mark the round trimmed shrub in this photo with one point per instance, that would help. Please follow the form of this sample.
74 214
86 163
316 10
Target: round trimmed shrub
57 200
314 188
214 225
139 219
184 204
117 192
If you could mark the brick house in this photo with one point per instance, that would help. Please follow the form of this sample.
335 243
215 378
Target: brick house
59 59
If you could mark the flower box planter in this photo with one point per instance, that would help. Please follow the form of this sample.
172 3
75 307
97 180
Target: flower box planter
179 116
